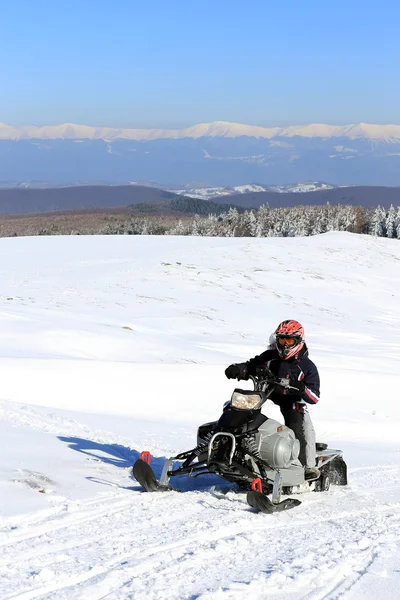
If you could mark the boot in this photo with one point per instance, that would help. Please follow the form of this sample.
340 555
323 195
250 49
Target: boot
311 473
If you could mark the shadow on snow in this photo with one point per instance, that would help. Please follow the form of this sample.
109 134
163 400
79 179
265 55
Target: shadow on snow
123 457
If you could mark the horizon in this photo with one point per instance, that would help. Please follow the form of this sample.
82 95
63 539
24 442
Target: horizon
224 129
189 124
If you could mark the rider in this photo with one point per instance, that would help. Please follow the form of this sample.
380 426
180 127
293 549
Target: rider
288 359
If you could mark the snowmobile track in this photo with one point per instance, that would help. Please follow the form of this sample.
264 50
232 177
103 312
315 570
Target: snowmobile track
116 527
149 542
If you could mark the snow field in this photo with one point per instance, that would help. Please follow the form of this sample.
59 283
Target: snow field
113 345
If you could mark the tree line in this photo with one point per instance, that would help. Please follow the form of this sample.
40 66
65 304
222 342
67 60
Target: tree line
261 222
272 222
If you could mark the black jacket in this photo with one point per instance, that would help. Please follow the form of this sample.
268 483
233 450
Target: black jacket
298 368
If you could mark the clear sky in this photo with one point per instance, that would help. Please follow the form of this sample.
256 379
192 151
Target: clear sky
174 63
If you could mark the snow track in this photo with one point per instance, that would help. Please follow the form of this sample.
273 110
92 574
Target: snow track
186 536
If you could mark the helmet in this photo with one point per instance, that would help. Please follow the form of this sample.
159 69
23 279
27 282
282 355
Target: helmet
289 337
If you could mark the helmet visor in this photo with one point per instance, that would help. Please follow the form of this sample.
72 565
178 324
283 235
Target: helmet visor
287 341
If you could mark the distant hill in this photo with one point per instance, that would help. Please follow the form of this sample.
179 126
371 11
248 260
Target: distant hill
20 201
367 196
192 206
150 200
105 199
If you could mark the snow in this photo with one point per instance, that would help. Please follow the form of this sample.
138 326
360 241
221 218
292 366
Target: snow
244 189
206 193
111 345
224 129
301 188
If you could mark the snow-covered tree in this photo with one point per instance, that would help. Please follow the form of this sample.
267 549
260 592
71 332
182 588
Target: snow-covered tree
378 222
391 222
398 223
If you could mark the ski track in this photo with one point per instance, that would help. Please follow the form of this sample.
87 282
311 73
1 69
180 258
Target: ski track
53 553
231 540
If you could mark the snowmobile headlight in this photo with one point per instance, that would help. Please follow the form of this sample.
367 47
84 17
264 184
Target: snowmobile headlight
245 401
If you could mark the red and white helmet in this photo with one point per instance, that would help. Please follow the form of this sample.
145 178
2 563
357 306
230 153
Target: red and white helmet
289 336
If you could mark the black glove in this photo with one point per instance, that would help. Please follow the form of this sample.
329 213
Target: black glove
296 387
238 371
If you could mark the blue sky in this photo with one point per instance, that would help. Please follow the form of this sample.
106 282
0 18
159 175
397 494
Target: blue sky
174 63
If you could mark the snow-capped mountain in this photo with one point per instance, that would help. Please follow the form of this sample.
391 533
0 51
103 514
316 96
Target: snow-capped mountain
224 129
215 192
211 155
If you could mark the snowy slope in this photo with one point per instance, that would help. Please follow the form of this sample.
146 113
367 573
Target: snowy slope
111 345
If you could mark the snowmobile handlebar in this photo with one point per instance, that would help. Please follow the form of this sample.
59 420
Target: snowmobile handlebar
265 378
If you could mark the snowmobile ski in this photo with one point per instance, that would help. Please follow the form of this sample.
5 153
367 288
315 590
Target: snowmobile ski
263 504
144 474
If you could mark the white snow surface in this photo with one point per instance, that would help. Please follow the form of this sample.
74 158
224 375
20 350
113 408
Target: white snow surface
111 345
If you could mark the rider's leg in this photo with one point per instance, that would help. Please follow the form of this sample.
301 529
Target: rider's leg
301 425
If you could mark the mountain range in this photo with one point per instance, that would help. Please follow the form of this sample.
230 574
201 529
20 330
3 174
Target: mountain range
209 154
216 129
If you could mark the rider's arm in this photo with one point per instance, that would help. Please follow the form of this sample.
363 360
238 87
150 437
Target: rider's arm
260 360
311 381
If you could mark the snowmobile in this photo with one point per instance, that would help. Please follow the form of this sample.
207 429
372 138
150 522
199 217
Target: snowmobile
246 448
